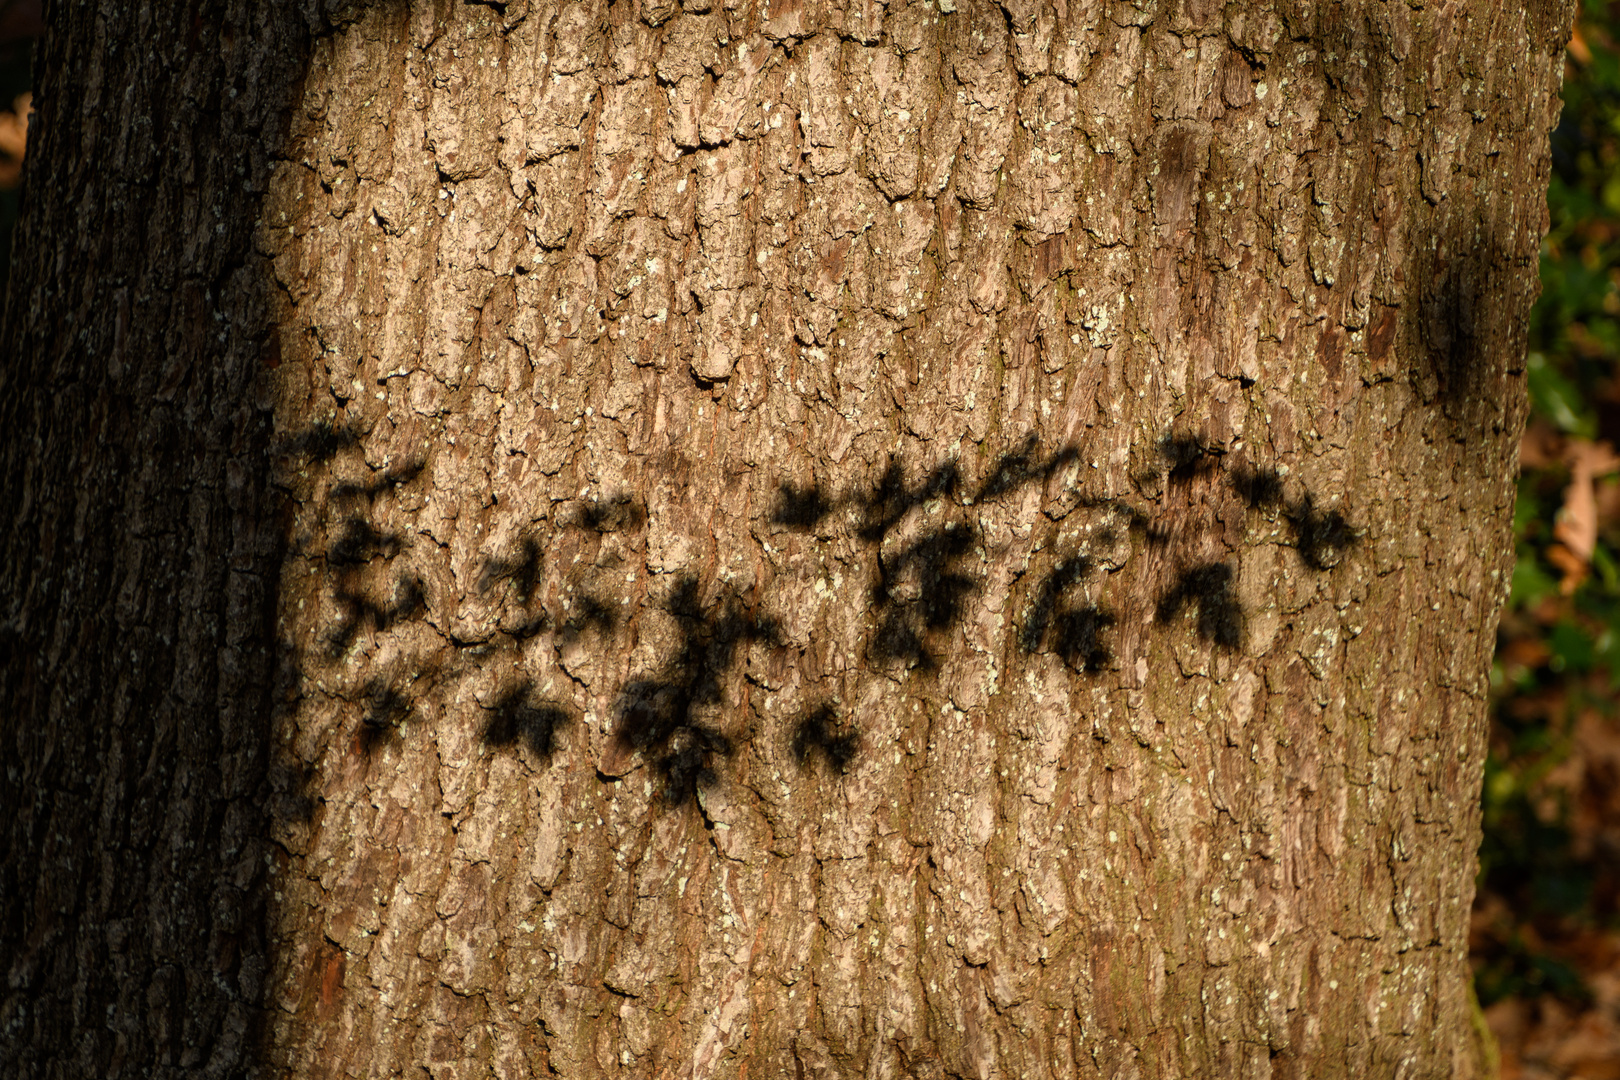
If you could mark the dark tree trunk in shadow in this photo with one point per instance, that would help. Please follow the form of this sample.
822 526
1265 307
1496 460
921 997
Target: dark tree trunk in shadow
141 545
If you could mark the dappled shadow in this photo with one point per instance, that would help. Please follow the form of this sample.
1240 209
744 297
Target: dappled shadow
518 718
658 715
1022 466
616 514
361 613
820 739
801 508
1185 457
935 594
1207 591
1320 537
1074 632
388 707
522 570
926 550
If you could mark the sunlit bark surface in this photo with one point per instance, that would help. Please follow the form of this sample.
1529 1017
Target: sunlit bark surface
815 540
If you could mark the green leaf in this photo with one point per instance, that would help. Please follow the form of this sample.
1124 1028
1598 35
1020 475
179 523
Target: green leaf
1572 647
1556 398
1530 583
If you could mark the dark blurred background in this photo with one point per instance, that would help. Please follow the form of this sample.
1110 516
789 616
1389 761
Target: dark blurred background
1546 926
19 25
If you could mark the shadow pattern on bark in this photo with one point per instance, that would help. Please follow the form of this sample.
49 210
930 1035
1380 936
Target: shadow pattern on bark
520 718
659 716
1074 633
1322 537
923 583
819 738
1207 590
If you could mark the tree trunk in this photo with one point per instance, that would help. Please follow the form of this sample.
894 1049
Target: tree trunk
795 540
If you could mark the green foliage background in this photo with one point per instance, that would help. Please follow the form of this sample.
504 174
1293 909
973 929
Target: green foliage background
1549 907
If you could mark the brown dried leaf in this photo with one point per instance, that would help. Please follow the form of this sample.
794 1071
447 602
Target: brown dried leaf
14 140
1542 445
1569 564
1578 48
1576 528
1596 459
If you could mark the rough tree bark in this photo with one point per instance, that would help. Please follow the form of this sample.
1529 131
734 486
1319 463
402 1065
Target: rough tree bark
811 539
